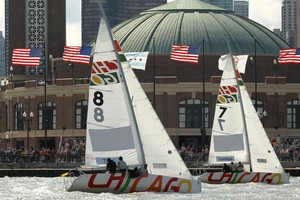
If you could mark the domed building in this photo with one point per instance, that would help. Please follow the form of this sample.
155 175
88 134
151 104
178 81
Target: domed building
182 94
192 22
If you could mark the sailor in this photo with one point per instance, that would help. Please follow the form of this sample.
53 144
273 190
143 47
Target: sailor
122 166
240 167
111 166
143 170
232 167
226 168
133 173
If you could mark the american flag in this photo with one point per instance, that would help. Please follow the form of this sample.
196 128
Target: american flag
27 57
77 54
287 56
185 53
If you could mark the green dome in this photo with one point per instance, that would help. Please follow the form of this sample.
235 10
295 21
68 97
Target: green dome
189 22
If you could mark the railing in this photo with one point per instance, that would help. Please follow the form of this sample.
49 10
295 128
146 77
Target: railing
37 158
76 81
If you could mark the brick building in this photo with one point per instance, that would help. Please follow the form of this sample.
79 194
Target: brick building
179 92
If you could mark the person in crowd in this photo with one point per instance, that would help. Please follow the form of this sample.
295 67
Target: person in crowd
122 166
240 167
226 168
143 170
232 167
111 166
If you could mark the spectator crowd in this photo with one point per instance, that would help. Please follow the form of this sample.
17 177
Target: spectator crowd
286 149
72 150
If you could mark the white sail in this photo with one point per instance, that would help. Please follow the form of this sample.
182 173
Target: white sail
111 131
263 156
228 141
139 138
160 153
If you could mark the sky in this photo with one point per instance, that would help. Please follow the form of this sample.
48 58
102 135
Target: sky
265 12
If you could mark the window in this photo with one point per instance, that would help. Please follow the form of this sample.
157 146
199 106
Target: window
81 114
293 114
190 113
50 116
18 123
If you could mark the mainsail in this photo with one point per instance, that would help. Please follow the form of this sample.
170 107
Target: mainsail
111 131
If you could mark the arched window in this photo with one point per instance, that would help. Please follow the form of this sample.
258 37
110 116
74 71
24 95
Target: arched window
293 114
18 122
50 116
190 113
81 114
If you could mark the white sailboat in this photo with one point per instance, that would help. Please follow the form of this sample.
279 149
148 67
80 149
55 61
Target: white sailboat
239 136
122 122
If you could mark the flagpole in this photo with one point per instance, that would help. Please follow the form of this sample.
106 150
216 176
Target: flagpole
255 73
154 73
203 132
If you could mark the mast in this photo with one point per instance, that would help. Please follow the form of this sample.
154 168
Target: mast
125 86
154 89
203 132
241 104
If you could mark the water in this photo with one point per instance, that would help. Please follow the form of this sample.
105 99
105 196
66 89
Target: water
36 188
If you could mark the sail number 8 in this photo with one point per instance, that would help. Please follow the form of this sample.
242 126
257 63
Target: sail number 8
98 101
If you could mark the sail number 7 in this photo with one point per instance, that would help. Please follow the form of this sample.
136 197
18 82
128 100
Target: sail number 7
220 116
98 101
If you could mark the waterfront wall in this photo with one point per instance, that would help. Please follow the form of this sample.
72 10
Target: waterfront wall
56 169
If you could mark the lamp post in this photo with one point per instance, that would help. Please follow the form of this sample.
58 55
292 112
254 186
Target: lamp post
45 119
275 64
11 73
7 141
28 120
71 65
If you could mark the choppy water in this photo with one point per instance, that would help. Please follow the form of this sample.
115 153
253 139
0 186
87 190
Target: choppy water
37 188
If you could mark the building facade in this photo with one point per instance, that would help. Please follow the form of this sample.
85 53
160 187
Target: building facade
180 89
241 8
178 104
117 11
2 55
289 21
298 24
226 4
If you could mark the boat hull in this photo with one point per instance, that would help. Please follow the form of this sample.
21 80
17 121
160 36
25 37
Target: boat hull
122 183
244 177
